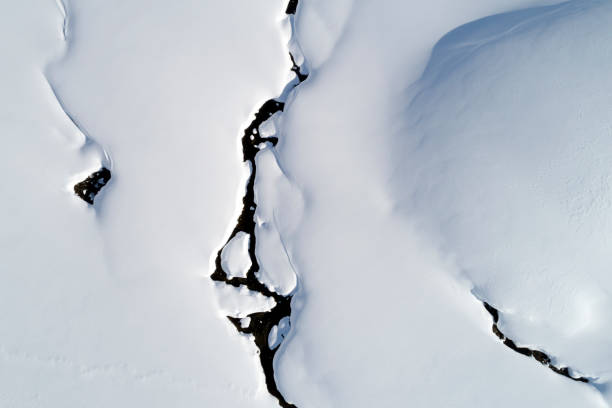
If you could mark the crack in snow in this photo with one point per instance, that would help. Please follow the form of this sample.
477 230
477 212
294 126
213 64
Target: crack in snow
261 325
542 357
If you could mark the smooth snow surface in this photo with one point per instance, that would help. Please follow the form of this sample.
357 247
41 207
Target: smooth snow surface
517 185
112 305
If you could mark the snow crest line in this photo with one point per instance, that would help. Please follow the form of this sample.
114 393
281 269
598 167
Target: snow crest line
89 187
542 357
261 325
63 10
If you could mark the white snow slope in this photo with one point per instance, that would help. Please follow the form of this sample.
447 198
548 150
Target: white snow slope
429 186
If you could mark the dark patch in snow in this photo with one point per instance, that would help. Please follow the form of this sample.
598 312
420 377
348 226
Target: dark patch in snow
91 186
261 323
492 311
292 7
497 332
521 350
296 70
539 355
260 326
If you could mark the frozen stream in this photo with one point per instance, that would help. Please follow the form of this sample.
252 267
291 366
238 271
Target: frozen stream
358 178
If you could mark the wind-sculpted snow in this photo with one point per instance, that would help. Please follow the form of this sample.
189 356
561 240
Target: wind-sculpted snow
386 315
539 355
505 164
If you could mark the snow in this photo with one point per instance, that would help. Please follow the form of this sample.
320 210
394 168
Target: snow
440 154
111 305
235 256
400 174
276 197
278 333
526 209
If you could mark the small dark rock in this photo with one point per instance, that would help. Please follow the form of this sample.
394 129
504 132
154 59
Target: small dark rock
497 332
541 357
562 370
292 7
296 70
522 350
91 186
492 311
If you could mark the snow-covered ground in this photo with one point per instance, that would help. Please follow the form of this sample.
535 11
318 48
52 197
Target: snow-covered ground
112 305
439 155
483 178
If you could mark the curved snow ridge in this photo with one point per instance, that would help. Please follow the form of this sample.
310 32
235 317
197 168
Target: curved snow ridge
89 185
508 169
327 23
243 249
542 357
463 42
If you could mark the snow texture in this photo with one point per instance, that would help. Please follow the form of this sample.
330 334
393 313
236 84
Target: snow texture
427 177
436 157
111 304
